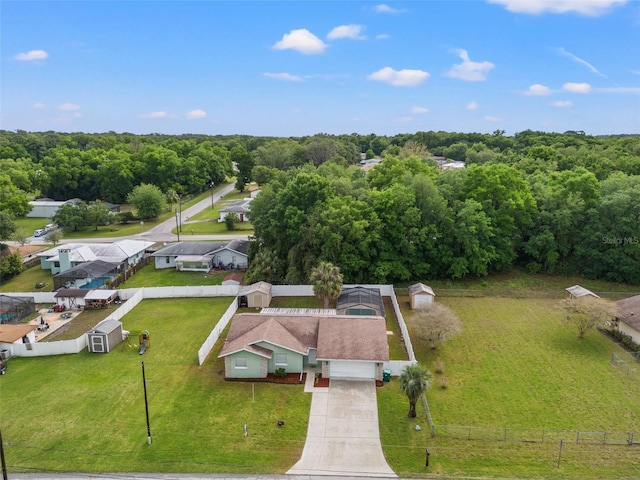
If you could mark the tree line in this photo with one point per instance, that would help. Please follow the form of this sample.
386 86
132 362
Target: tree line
549 202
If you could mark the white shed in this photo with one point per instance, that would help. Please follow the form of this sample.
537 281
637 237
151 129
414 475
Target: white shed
421 295
578 291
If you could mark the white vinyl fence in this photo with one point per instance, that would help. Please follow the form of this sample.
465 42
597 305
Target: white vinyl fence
134 296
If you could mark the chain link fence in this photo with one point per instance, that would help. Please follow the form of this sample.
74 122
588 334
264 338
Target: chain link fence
535 435
627 362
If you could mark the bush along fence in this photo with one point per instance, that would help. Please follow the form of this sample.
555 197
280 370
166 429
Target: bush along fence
536 435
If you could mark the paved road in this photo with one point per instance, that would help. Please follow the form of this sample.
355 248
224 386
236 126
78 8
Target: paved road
163 231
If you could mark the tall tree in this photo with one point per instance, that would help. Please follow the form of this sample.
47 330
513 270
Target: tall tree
327 281
149 201
414 381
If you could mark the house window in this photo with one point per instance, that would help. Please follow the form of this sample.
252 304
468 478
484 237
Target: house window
281 359
166 259
241 362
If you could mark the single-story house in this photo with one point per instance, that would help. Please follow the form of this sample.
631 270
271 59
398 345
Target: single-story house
421 295
44 208
360 301
629 317
105 336
23 333
256 295
453 165
71 297
241 208
203 256
577 292
63 257
343 346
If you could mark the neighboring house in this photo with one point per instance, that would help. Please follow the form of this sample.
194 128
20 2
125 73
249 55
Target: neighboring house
241 208
629 317
256 295
343 346
577 292
360 301
369 163
45 208
421 295
23 333
123 252
203 256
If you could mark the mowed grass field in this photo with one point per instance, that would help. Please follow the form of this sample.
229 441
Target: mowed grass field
516 365
86 412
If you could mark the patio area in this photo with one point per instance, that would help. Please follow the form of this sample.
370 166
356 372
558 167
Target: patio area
55 320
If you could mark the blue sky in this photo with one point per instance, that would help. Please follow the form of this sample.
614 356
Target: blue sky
304 67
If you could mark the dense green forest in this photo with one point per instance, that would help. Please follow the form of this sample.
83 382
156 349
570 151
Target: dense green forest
548 202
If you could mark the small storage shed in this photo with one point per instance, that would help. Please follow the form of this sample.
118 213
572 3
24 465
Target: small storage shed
421 295
100 298
577 291
360 301
256 295
105 336
232 279
71 297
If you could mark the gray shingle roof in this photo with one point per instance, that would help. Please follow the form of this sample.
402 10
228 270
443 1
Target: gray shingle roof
629 311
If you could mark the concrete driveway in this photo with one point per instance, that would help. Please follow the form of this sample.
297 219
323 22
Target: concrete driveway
343 437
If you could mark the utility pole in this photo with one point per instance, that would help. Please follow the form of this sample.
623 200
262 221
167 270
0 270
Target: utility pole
4 464
146 405
177 227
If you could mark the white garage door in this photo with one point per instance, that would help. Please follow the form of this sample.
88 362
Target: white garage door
351 369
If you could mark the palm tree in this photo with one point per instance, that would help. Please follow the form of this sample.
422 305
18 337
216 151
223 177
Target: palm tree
327 281
414 381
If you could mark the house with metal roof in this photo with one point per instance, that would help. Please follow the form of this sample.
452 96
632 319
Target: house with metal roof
203 256
241 208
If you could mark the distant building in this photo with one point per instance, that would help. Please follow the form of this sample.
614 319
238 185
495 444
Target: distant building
577 292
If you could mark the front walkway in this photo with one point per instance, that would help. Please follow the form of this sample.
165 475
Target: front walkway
343 437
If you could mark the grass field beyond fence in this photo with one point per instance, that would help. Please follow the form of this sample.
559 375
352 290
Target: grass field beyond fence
515 371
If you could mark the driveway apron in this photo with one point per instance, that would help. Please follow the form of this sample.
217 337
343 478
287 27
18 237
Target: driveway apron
343 437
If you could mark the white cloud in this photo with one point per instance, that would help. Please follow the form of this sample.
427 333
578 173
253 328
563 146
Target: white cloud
399 78
301 40
419 110
196 114
472 106
537 90
489 118
576 59
31 55
561 104
576 87
382 8
383 36
585 7
38 105
470 71
346 31
284 76
68 107
159 114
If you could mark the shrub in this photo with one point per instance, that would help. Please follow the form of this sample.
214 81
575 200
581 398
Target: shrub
280 373
443 382
438 365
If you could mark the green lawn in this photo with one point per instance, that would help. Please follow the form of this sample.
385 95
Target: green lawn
86 412
149 276
206 222
30 225
515 365
27 280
